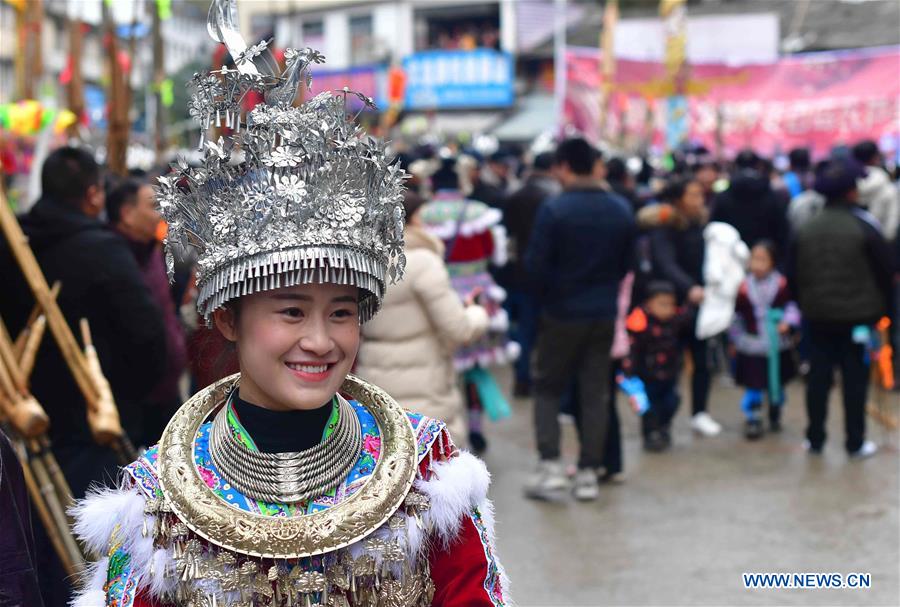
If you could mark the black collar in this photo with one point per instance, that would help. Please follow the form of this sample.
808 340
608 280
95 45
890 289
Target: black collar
282 431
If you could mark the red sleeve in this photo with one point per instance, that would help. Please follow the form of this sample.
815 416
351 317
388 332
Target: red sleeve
466 573
142 600
487 240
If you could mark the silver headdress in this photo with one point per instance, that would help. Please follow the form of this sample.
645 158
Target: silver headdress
314 199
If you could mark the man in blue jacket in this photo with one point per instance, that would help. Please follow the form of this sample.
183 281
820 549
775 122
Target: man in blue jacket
579 251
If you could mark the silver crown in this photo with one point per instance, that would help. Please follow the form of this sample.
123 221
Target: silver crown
312 200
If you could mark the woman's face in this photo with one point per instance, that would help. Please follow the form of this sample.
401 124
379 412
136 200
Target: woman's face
692 202
295 345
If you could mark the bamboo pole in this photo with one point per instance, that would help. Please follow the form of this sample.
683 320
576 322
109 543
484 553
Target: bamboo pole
35 59
117 129
63 491
75 88
36 312
29 351
31 270
27 418
60 536
47 520
103 417
23 411
10 360
73 561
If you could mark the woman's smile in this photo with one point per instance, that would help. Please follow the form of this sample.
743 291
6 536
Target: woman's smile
310 372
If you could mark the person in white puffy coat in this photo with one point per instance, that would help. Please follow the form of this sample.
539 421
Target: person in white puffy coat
408 348
877 193
724 268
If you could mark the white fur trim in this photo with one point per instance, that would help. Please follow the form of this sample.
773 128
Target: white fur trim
159 584
97 515
496 293
499 321
500 255
513 350
487 357
488 218
455 487
91 594
105 511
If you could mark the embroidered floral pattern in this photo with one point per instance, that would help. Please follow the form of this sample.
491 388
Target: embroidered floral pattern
427 432
120 585
143 472
492 584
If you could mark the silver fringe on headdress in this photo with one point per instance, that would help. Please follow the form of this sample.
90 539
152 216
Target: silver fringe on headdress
313 200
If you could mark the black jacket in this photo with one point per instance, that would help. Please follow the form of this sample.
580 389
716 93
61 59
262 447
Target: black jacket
490 195
677 250
655 346
754 209
519 215
101 282
841 267
18 565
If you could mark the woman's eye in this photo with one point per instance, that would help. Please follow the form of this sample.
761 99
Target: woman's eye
293 312
343 313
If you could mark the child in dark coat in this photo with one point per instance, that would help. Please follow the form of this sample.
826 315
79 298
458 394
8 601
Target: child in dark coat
655 332
761 335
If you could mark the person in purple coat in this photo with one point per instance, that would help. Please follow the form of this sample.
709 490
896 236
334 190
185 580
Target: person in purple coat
132 211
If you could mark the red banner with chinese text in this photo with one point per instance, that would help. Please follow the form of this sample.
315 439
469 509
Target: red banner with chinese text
817 100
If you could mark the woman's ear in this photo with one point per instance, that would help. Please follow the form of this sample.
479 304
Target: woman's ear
226 323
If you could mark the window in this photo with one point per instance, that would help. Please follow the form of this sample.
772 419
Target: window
361 40
465 27
314 34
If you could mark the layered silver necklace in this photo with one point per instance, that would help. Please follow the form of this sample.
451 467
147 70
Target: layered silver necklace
290 477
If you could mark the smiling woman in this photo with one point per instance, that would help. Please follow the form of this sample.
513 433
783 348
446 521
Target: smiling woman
293 482
295 345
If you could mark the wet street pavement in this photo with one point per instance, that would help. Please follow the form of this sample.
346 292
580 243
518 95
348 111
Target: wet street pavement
686 524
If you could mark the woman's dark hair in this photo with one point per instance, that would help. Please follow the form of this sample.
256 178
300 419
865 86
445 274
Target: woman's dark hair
445 178
865 151
67 174
412 202
770 248
674 189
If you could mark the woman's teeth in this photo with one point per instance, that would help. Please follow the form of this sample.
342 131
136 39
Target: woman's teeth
308 368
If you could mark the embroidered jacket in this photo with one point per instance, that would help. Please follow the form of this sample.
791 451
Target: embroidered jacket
437 549
755 298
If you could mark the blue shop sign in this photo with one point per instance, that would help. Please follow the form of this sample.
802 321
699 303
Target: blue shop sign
458 79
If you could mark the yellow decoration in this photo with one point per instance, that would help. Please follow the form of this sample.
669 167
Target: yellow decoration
64 120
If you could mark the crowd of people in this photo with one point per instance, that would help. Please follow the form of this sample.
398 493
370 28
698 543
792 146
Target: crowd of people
585 276
618 274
